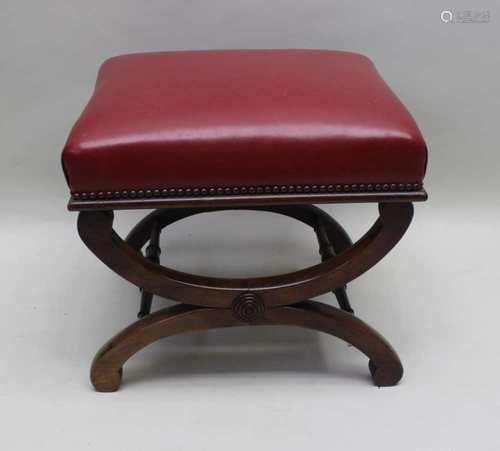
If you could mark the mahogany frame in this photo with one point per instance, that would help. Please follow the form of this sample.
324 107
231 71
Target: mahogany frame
208 302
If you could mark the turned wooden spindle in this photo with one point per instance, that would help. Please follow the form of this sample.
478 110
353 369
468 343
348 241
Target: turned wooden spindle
152 253
327 251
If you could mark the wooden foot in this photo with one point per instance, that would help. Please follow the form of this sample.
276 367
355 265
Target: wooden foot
106 372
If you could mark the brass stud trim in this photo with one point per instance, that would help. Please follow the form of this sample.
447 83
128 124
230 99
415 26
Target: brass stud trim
244 190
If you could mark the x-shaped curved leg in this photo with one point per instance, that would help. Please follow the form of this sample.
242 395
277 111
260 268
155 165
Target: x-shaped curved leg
106 372
215 302
96 230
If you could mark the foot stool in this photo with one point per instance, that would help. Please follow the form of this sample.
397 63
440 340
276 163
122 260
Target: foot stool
189 132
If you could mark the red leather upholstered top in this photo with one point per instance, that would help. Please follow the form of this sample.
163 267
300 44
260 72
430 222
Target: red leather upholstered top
241 118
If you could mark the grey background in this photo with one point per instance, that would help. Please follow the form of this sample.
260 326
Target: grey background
435 297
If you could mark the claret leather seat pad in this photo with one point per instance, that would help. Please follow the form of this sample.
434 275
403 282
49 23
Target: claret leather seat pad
241 118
